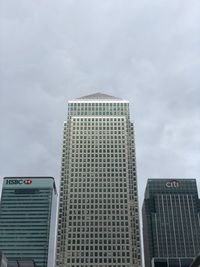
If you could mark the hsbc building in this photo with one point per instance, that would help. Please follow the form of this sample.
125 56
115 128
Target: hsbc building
27 219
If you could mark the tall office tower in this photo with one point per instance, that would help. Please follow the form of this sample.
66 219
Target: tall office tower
27 212
98 223
171 222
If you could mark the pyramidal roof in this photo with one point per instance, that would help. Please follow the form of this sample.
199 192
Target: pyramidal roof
98 97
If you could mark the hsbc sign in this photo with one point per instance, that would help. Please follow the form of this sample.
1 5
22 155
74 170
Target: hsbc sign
24 182
19 181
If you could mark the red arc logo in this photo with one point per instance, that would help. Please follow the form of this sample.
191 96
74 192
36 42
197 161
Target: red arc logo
27 181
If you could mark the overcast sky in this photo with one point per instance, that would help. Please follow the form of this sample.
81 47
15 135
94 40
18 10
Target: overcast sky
147 52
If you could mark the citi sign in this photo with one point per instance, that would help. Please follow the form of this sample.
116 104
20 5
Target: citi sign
172 184
19 181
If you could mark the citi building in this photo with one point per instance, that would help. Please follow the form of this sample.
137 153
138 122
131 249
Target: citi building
27 213
171 222
98 222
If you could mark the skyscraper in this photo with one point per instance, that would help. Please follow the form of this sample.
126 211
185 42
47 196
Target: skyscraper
98 222
26 216
171 222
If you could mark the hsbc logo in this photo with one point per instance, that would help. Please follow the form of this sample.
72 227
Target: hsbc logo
28 181
19 181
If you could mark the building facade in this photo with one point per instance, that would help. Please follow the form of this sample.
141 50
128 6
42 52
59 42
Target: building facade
171 222
26 216
98 221
21 263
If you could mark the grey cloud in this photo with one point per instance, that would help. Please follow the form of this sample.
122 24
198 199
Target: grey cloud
146 52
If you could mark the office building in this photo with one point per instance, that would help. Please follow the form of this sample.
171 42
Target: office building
98 222
171 222
26 216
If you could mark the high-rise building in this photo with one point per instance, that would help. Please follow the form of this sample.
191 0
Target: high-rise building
98 222
27 212
171 222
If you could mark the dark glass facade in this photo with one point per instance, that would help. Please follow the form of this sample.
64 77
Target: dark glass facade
171 222
25 218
